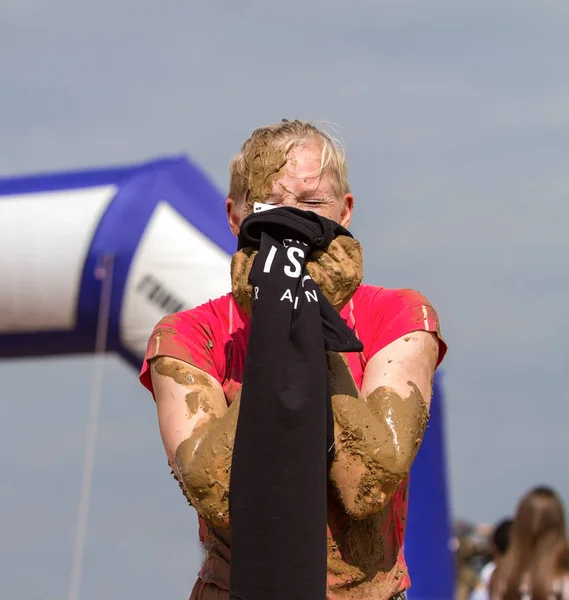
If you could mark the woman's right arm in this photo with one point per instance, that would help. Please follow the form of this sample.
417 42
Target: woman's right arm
198 431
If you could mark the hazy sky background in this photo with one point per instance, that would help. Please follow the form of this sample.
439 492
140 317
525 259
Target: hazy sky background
455 116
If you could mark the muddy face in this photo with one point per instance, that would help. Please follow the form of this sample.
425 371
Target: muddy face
293 179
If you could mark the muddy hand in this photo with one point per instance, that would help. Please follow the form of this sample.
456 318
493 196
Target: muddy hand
338 271
241 263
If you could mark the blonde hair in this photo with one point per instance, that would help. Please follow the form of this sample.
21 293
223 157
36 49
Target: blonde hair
285 136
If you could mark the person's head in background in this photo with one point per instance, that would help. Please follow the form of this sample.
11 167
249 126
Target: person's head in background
537 555
500 539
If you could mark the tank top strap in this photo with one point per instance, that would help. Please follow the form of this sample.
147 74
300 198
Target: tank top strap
351 318
230 316
352 325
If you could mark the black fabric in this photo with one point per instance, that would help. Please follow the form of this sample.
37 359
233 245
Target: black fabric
284 438
307 227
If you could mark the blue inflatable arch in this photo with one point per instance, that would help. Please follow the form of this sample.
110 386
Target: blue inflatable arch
148 240
160 227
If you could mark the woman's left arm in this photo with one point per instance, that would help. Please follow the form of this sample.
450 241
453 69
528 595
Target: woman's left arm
378 431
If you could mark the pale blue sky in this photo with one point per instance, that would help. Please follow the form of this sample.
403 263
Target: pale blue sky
455 116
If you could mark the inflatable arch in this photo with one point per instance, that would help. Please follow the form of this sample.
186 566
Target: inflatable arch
133 244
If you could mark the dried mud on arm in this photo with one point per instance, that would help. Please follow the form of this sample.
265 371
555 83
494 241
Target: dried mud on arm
379 431
197 431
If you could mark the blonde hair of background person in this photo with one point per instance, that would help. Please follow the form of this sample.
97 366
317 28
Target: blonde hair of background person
536 564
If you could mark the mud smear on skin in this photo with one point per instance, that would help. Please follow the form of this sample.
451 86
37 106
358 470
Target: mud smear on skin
168 331
338 271
206 474
185 375
357 552
357 436
405 418
357 555
265 161
241 263
379 446
265 165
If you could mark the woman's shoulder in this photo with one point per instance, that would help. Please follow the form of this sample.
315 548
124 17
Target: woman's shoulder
385 304
383 295
215 310
381 315
196 336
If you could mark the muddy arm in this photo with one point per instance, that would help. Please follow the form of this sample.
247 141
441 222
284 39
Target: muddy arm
197 431
378 431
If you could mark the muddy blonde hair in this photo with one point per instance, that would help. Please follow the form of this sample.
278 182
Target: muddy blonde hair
284 137
538 554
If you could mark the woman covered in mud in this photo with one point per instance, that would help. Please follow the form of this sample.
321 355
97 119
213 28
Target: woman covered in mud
536 564
380 397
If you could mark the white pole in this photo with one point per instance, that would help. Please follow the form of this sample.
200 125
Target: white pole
105 274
